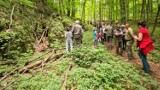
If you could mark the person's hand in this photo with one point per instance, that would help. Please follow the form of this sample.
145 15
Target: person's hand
135 37
116 34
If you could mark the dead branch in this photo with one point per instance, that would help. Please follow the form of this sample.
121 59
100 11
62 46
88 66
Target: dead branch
40 62
13 81
66 77
45 30
29 61
11 16
16 68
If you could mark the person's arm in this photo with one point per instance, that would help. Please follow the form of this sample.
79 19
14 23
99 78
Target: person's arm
65 35
72 30
121 33
131 33
139 38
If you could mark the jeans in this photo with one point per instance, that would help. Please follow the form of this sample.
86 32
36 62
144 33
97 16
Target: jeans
69 46
144 61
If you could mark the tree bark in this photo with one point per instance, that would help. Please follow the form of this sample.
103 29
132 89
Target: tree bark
123 11
84 11
143 9
68 8
73 8
156 20
100 11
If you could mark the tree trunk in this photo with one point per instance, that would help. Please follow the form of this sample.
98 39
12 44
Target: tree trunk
127 9
100 11
134 10
143 9
156 20
123 11
73 8
94 12
60 8
84 11
68 8
117 9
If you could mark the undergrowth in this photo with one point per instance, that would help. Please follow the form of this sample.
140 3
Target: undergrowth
91 70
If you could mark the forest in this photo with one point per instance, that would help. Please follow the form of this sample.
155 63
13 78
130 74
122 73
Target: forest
33 45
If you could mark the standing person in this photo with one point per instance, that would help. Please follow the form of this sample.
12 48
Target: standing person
77 34
129 37
99 37
102 36
109 34
95 39
123 37
104 32
114 28
118 35
144 43
68 36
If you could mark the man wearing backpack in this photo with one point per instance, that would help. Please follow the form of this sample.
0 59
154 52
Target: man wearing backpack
129 37
77 34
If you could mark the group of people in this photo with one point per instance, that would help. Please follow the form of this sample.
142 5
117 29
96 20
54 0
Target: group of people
124 38
73 36
122 34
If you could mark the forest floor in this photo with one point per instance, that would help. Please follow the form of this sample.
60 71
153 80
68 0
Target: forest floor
154 67
54 70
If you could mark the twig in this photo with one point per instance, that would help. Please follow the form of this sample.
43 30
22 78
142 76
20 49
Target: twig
11 16
45 29
66 77
29 61
8 74
13 81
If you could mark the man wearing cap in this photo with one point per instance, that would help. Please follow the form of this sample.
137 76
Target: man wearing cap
77 34
118 36
129 37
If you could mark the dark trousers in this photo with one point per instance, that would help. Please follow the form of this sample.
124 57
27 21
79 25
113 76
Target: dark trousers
124 42
105 38
109 40
144 61
119 50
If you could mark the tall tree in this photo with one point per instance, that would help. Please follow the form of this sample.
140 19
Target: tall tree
68 7
143 10
73 8
123 11
83 11
100 10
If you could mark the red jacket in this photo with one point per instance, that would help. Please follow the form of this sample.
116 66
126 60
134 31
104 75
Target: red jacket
98 35
145 45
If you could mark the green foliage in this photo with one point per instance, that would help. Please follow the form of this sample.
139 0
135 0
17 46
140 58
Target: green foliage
40 82
67 21
84 57
104 72
87 27
23 2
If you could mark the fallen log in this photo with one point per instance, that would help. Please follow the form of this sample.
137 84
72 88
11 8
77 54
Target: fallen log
29 61
30 66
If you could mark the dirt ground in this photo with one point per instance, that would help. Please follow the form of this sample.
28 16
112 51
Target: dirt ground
154 67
